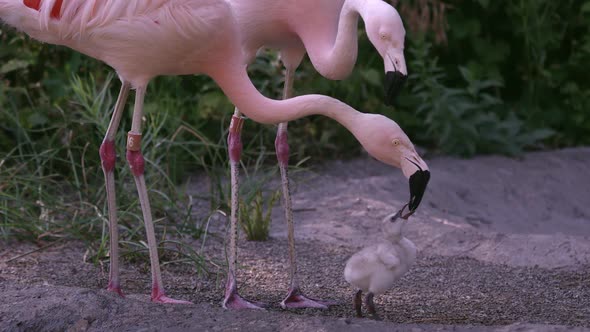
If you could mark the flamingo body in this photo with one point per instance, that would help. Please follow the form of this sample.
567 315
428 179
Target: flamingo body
140 39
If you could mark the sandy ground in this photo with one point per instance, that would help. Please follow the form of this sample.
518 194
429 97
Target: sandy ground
503 247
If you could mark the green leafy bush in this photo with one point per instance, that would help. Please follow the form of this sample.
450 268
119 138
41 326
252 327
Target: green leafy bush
462 120
538 50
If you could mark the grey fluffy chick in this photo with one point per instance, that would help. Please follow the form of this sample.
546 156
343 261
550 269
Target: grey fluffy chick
376 268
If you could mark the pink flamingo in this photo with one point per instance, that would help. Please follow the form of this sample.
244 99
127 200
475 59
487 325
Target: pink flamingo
142 39
327 31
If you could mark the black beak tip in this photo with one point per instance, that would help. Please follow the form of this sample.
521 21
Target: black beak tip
393 84
418 184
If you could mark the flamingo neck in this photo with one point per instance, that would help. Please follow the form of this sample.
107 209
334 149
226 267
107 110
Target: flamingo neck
337 63
238 87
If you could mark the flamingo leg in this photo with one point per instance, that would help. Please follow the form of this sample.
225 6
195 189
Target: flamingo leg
295 297
136 163
108 157
357 302
233 300
371 306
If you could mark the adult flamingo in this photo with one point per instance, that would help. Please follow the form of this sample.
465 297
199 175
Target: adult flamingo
327 31
142 39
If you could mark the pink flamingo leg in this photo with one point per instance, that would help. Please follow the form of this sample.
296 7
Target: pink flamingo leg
108 157
295 298
233 300
136 163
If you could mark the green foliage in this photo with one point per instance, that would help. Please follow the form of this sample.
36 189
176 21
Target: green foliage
257 196
463 120
539 50
52 185
255 215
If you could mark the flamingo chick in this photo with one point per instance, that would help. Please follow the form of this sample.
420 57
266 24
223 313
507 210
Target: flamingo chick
376 268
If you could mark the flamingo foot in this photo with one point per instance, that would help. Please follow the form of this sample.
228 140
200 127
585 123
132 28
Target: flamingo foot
235 301
160 297
296 299
115 288
168 300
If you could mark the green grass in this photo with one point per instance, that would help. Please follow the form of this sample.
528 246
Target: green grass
52 185
255 215
53 172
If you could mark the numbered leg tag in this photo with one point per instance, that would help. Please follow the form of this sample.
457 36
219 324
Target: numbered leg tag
133 141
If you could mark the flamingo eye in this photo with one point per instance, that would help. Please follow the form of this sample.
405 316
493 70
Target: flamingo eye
395 142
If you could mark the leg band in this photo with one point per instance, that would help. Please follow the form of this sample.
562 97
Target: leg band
133 141
234 138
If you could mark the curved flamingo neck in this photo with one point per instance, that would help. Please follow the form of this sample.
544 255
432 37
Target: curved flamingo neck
238 87
338 61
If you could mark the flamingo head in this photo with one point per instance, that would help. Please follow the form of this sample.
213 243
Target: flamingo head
386 32
385 141
393 226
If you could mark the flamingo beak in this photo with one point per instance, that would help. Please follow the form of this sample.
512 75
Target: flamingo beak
418 182
417 171
395 75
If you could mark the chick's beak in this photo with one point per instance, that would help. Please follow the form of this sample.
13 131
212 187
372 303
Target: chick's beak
396 75
416 170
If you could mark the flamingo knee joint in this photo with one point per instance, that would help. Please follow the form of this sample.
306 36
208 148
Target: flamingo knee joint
108 155
282 148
